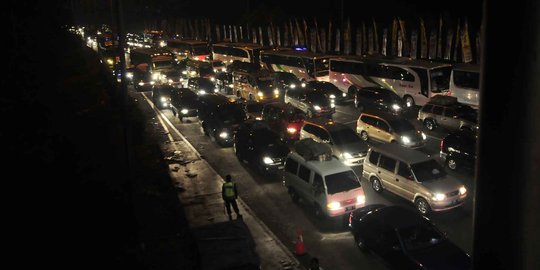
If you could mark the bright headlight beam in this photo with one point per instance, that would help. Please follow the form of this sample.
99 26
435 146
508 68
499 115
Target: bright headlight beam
267 160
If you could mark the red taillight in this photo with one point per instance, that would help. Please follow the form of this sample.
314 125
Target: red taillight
350 219
442 145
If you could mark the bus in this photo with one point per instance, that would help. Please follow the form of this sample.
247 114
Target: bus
413 80
152 66
192 49
465 84
244 52
307 66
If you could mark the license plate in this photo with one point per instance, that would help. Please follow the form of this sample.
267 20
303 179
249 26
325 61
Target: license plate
348 208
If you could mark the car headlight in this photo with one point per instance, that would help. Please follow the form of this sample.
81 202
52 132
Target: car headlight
213 79
439 196
260 94
215 70
231 85
141 83
155 76
317 107
291 130
344 94
332 96
170 81
292 86
129 75
276 92
347 155
333 205
216 90
163 99
110 61
202 92
424 137
332 105
405 139
152 82
184 111
361 199
224 135
184 72
267 160
303 85
396 107
462 190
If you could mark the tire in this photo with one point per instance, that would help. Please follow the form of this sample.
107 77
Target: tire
360 244
294 195
376 185
409 101
422 206
429 123
451 163
364 136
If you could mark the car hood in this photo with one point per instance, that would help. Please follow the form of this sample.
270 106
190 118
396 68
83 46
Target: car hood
443 256
443 185
277 150
353 148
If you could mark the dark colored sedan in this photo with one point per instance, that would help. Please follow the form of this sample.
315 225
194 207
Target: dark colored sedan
256 144
161 95
336 96
404 239
458 149
184 103
378 99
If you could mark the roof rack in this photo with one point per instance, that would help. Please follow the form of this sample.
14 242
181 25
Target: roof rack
312 150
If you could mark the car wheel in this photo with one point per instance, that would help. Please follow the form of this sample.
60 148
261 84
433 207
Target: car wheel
360 243
364 136
409 101
317 210
430 124
452 163
376 184
422 206
294 195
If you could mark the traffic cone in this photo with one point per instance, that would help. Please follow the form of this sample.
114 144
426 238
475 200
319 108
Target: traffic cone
299 249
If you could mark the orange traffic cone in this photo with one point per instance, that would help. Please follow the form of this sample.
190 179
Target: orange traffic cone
299 249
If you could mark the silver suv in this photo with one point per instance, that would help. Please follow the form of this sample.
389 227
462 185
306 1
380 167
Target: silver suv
414 176
445 111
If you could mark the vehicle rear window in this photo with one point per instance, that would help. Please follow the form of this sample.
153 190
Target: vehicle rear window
465 79
368 120
341 182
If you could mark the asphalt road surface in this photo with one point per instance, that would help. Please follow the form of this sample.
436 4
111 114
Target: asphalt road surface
329 239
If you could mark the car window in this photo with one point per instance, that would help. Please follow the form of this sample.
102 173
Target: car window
374 157
321 134
303 173
309 128
420 236
383 125
341 182
427 170
318 183
387 163
368 120
449 112
291 166
404 171
427 108
437 110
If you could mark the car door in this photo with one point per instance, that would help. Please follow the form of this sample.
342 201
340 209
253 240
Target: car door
451 120
304 185
405 181
386 173
438 115
383 131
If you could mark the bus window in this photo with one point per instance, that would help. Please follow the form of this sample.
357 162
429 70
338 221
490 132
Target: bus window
469 80
440 79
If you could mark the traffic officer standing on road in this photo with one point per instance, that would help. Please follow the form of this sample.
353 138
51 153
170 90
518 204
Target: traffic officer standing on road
230 194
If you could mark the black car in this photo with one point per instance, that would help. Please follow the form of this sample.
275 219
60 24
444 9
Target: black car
161 95
458 149
219 117
184 103
256 144
224 83
378 99
285 80
336 96
404 239
201 86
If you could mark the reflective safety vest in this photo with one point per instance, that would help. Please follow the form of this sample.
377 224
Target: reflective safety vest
229 190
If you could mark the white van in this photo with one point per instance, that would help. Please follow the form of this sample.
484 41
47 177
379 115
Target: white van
332 188
465 84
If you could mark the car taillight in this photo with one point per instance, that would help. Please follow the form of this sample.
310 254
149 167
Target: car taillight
442 145
350 219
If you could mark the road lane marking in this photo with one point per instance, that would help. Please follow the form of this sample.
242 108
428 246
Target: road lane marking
246 207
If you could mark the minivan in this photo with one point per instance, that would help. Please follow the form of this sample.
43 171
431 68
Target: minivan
390 129
414 176
332 188
283 119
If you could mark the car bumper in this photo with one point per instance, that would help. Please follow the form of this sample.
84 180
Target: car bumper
353 161
343 210
414 145
448 204
273 168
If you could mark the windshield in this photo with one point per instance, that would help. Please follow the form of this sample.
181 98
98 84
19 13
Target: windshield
205 71
344 136
201 50
163 64
419 236
231 114
440 79
255 107
401 125
264 82
341 182
321 67
427 170
318 98
206 85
